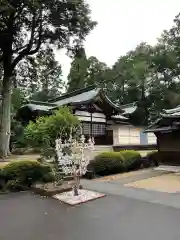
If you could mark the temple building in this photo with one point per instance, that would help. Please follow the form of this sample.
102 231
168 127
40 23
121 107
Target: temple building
167 130
108 123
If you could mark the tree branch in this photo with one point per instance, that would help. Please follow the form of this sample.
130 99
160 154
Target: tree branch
39 41
27 50
20 48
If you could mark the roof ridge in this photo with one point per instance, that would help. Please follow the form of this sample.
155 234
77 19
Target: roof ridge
41 103
128 104
73 93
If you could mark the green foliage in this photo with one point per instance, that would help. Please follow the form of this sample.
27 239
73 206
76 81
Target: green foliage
27 172
86 71
107 163
27 26
148 75
132 159
128 154
16 185
155 156
47 129
78 71
20 175
2 179
40 76
17 130
48 177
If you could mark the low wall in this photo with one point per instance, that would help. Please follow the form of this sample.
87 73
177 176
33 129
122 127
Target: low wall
139 147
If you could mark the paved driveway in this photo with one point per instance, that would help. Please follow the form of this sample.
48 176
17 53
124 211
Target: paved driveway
28 217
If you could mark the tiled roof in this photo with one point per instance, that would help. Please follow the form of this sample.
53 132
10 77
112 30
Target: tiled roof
172 110
167 122
119 117
81 97
129 108
41 106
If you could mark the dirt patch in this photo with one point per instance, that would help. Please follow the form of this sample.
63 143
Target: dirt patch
50 189
169 183
30 157
24 157
121 175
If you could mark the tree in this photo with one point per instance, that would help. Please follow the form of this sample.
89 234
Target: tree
24 27
86 71
40 76
46 130
96 72
78 71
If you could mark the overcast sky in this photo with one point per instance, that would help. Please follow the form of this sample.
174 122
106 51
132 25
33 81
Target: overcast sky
122 25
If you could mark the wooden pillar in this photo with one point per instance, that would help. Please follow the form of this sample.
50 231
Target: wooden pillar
91 125
90 107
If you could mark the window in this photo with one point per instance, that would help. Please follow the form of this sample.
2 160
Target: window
86 128
97 129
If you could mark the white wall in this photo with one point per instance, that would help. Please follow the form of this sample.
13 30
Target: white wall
124 135
151 138
128 135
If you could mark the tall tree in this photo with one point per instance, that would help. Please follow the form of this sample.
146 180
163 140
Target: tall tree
27 24
78 71
96 72
86 71
41 76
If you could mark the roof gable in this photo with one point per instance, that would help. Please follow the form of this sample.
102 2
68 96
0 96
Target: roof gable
73 94
129 108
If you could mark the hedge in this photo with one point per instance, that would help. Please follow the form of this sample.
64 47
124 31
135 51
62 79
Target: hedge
155 157
20 175
133 159
107 163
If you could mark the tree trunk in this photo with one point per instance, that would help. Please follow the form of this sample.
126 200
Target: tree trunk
5 117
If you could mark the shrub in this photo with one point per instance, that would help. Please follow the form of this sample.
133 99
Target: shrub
132 159
48 177
48 153
24 173
107 163
16 185
155 157
2 179
45 130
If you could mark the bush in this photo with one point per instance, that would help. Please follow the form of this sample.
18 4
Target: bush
45 130
133 160
15 185
48 177
2 179
24 173
107 163
154 157
48 153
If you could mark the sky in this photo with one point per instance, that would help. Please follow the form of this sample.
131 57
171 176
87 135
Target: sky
122 25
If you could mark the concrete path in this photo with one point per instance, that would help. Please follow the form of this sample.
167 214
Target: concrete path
125 213
175 169
166 199
134 186
115 217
